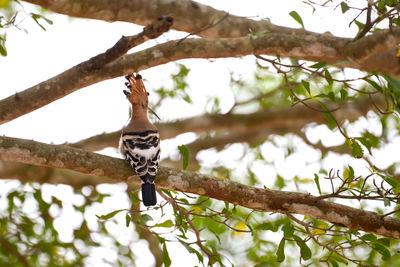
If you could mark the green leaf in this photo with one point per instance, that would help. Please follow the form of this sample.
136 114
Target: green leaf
382 6
128 220
280 253
192 250
382 250
167 192
145 218
109 215
36 18
306 86
166 224
391 3
165 256
185 156
334 263
384 241
305 251
3 50
318 65
365 143
316 180
287 230
394 86
280 182
328 116
265 227
374 84
386 202
343 95
356 149
337 257
359 25
331 96
351 174
391 181
368 237
328 77
344 7
297 18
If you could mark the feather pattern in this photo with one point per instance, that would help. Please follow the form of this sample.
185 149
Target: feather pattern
142 150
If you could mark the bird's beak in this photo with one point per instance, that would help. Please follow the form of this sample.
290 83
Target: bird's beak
155 114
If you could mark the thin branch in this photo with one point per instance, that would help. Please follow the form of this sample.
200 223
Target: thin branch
368 25
189 221
145 233
204 28
312 236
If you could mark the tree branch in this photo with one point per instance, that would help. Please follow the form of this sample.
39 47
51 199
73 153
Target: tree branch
315 48
30 173
191 16
77 76
277 120
25 151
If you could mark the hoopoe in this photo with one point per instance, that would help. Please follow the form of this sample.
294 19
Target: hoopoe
140 141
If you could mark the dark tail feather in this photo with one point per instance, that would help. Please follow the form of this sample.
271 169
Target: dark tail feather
149 194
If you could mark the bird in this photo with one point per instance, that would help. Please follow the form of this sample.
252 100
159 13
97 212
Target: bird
140 140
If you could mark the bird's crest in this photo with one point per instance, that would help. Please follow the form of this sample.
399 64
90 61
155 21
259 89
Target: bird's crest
137 93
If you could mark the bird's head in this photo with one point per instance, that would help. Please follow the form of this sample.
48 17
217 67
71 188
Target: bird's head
136 93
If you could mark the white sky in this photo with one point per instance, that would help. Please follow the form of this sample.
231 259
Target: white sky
38 55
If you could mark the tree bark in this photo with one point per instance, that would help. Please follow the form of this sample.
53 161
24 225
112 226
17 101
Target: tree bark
25 151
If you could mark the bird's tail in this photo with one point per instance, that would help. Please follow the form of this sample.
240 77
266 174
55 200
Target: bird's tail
149 194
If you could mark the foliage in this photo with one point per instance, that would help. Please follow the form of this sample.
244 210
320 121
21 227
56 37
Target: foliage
12 14
33 231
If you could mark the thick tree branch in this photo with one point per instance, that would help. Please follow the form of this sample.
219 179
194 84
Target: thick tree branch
71 80
315 48
13 149
30 173
189 16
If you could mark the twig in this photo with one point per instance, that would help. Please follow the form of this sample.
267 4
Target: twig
256 98
312 236
368 25
203 29
189 221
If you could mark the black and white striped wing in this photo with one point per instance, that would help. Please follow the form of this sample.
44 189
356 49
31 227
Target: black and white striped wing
142 150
